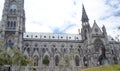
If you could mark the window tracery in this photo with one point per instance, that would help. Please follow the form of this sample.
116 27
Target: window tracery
98 44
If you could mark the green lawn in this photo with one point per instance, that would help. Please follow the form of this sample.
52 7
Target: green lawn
104 68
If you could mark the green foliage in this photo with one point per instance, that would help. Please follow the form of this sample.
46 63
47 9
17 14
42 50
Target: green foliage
46 61
13 57
4 57
103 68
34 69
65 61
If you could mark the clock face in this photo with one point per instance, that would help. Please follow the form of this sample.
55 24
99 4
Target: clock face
13 6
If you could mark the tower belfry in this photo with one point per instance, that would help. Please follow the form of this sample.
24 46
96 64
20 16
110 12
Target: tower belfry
13 23
85 24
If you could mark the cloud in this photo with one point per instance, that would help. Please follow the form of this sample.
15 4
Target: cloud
64 16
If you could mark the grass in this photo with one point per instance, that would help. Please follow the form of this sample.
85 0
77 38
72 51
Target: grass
104 68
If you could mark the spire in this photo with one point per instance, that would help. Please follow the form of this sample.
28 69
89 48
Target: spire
94 21
84 15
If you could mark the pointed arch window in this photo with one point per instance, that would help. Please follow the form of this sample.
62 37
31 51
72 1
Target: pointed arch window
56 60
14 11
98 44
71 49
10 11
112 52
28 50
36 60
47 49
10 44
14 25
8 24
36 49
46 60
65 50
85 34
43 50
85 61
115 59
77 60
79 49
11 24
53 50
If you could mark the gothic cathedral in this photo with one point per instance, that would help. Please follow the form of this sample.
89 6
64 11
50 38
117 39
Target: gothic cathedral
92 47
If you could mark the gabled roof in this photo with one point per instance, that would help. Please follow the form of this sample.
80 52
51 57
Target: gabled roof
95 28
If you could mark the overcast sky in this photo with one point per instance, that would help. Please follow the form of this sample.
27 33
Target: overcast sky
64 16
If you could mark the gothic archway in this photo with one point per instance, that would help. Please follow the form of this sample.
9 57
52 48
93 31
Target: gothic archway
77 60
102 60
98 45
56 60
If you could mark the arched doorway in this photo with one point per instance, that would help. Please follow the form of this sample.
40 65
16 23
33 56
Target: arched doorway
99 46
102 60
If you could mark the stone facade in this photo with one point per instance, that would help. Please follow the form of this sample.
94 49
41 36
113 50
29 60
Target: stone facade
92 47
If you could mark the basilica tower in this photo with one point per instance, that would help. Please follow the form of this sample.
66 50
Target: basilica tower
13 23
85 30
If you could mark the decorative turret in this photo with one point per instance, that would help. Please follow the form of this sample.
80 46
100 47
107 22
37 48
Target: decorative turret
104 30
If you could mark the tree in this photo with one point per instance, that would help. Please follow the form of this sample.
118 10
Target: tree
13 57
19 59
65 61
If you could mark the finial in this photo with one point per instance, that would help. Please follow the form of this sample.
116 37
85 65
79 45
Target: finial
103 25
83 6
